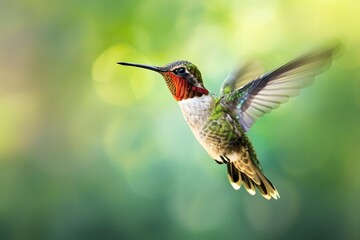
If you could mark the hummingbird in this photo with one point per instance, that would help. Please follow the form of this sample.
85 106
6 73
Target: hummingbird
220 122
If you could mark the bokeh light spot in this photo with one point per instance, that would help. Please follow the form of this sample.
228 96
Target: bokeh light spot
19 113
117 84
273 218
196 207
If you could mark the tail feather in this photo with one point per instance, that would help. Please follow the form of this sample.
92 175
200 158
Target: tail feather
265 187
234 176
248 183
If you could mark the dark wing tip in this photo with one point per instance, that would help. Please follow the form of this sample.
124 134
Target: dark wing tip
338 48
334 47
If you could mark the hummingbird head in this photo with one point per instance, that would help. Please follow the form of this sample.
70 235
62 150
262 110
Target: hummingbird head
182 78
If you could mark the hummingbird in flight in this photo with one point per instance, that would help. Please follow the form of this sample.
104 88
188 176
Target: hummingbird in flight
220 122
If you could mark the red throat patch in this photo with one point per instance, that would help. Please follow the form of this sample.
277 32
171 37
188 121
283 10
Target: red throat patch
181 89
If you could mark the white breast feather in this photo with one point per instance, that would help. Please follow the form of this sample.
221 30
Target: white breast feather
196 112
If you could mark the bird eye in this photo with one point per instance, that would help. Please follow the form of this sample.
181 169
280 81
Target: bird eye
180 70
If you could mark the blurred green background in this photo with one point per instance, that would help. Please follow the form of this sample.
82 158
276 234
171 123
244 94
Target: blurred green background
93 150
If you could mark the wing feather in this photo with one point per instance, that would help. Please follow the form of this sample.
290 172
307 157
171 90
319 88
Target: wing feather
239 78
268 91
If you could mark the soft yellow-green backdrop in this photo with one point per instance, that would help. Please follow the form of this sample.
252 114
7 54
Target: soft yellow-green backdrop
93 150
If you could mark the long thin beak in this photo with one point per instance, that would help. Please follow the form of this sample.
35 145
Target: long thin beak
153 68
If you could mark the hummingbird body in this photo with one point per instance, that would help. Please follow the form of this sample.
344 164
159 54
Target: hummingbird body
219 123
215 130
225 142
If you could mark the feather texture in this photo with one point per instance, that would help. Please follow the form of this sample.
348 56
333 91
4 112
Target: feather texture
268 91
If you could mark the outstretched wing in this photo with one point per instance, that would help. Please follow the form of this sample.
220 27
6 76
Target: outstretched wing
268 91
242 76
